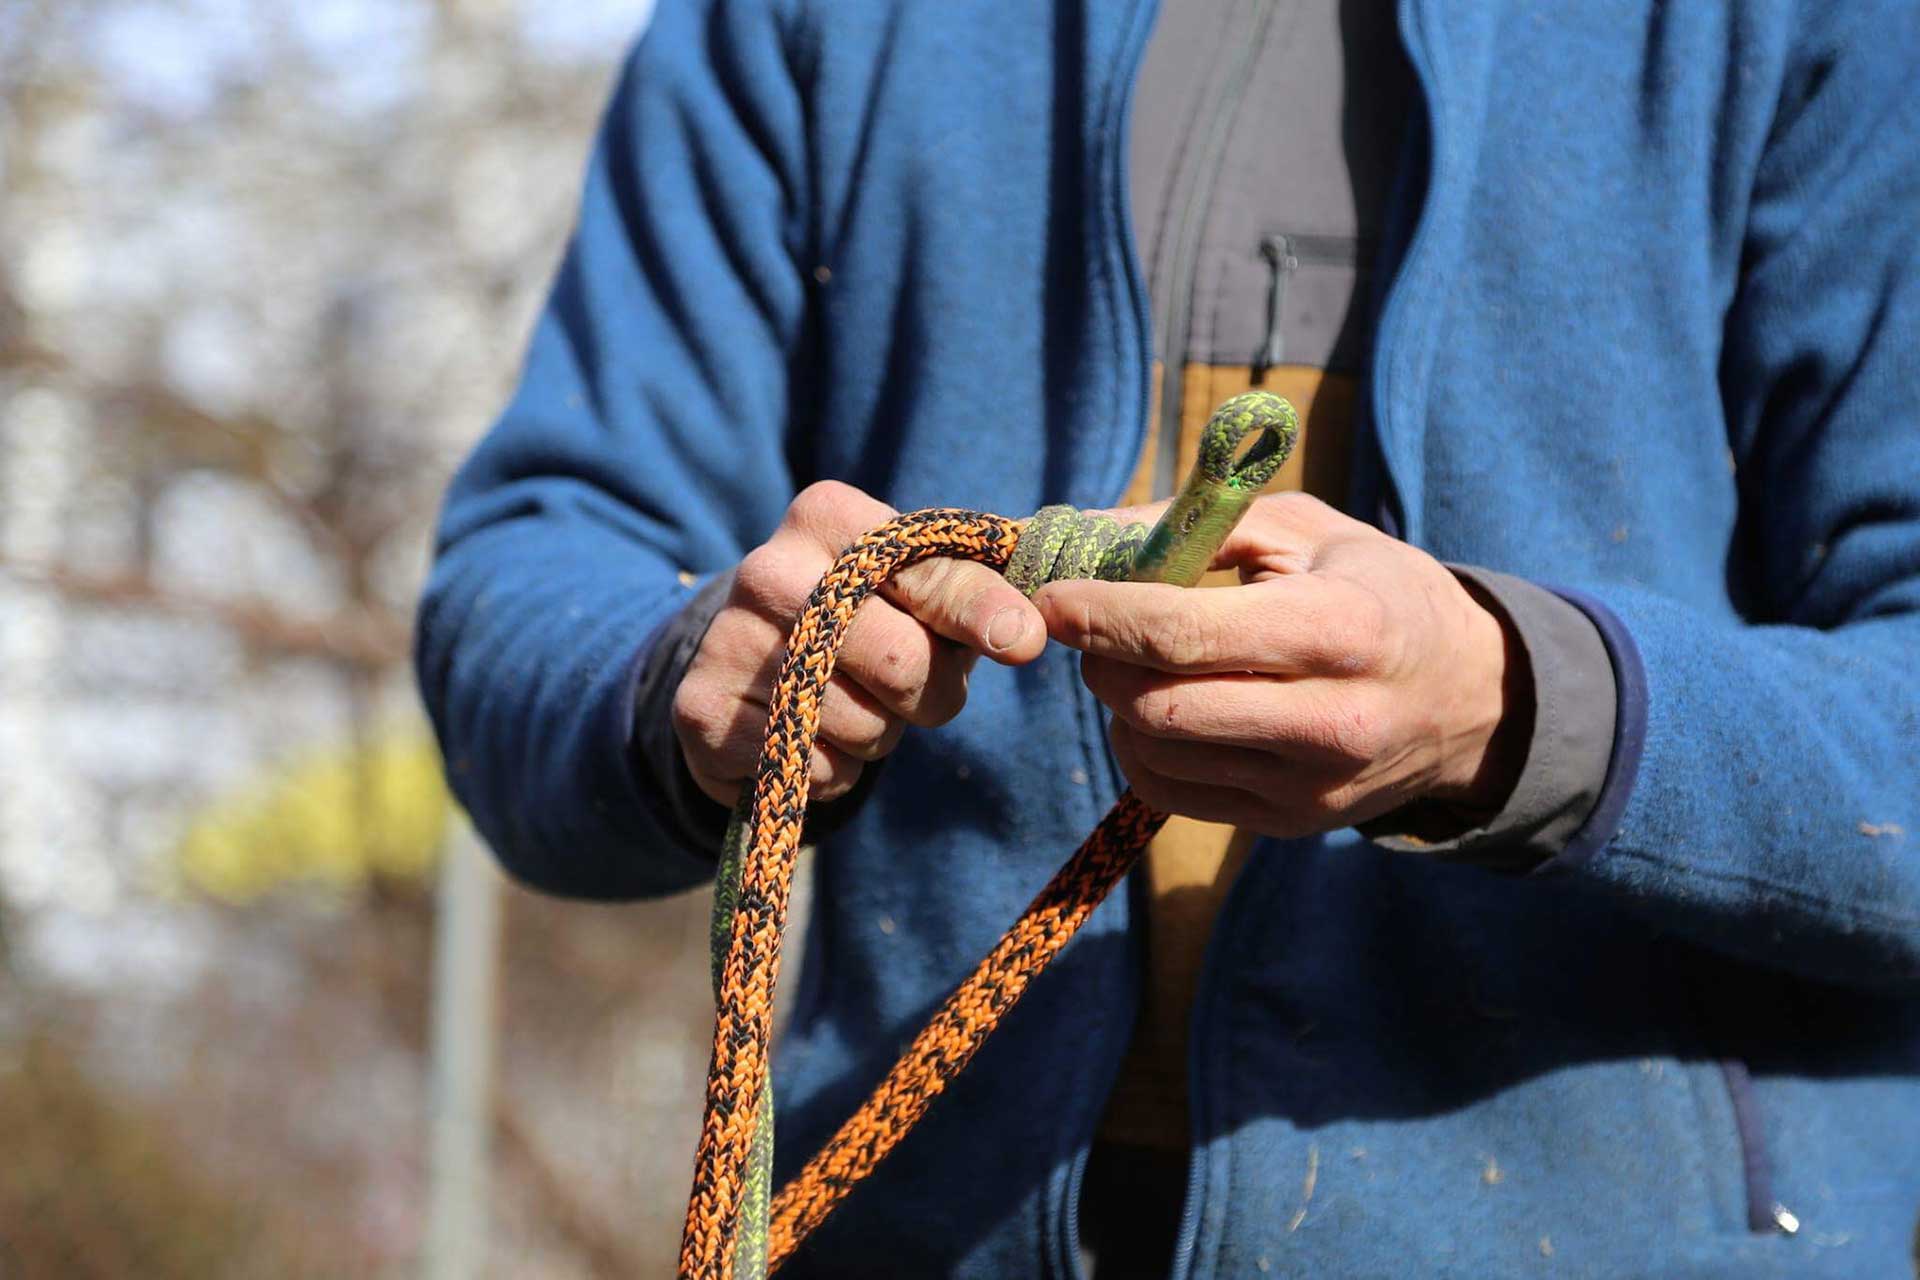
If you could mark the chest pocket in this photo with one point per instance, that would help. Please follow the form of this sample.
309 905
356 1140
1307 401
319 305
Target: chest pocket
1317 291
1288 315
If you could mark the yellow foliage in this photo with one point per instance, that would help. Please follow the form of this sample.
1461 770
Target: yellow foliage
334 821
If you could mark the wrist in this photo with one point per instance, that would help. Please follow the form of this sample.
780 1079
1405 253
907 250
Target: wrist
1489 751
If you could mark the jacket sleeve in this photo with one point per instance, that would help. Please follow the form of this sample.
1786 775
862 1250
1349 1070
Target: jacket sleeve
645 447
1776 811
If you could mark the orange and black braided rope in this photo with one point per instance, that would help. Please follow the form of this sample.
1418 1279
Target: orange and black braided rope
733 1228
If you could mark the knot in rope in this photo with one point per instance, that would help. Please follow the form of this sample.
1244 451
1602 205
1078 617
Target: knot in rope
1062 542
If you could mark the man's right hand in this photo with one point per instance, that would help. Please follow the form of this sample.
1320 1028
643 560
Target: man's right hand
905 659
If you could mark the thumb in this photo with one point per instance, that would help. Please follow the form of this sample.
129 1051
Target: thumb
972 604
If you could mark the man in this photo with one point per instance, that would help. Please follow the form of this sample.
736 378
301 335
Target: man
1615 974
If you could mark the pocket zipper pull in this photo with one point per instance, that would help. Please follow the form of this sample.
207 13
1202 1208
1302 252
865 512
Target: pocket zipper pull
1282 262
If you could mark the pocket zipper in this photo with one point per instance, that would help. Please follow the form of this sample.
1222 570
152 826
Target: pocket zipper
1764 1213
1286 254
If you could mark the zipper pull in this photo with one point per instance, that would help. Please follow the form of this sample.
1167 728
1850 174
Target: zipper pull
1282 261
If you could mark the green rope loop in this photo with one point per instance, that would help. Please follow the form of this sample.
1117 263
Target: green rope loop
1221 488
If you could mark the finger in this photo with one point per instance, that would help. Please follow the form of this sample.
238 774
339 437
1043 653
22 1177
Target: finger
719 727
910 672
1148 513
724 761
890 669
830 515
973 605
742 647
775 578
854 723
1298 625
1213 763
1200 800
1230 710
1286 814
1335 724
831 772
958 599
1283 533
720 712
726 791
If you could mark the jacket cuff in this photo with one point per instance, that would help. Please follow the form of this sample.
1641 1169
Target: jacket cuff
653 749
693 817
1629 737
1569 752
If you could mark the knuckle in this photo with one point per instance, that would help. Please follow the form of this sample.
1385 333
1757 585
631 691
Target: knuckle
939 700
830 514
766 578
698 717
1348 729
1305 512
1299 501
1153 710
1370 627
866 745
928 586
831 774
857 731
820 501
1339 798
1353 636
1189 639
1076 621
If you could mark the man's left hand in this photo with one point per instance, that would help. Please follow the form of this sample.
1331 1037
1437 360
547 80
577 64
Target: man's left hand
1347 675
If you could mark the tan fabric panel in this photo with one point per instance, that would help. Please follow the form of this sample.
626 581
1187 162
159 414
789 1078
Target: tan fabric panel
1325 401
1190 865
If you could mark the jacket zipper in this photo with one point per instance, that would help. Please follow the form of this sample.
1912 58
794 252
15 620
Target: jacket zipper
1136 283
1190 225
1225 927
1765 1215
1286 255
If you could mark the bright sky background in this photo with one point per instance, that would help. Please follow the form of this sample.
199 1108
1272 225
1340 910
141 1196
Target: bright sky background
174 56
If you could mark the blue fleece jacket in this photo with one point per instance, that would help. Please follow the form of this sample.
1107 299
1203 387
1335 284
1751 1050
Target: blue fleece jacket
1652 337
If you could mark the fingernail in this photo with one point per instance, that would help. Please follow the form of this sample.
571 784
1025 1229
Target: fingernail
1006 629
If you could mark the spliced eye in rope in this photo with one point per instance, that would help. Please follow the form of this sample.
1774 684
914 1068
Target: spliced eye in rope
735 1227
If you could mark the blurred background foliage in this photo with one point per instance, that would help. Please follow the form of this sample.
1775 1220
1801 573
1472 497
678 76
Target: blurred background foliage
337 821
266 270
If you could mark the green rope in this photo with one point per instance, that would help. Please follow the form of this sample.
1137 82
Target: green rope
1221 488
1059 543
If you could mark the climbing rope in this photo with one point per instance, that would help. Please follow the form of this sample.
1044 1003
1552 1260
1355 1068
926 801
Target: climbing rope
735 1227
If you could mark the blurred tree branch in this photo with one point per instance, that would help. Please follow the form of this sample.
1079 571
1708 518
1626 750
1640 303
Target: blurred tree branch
353 637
